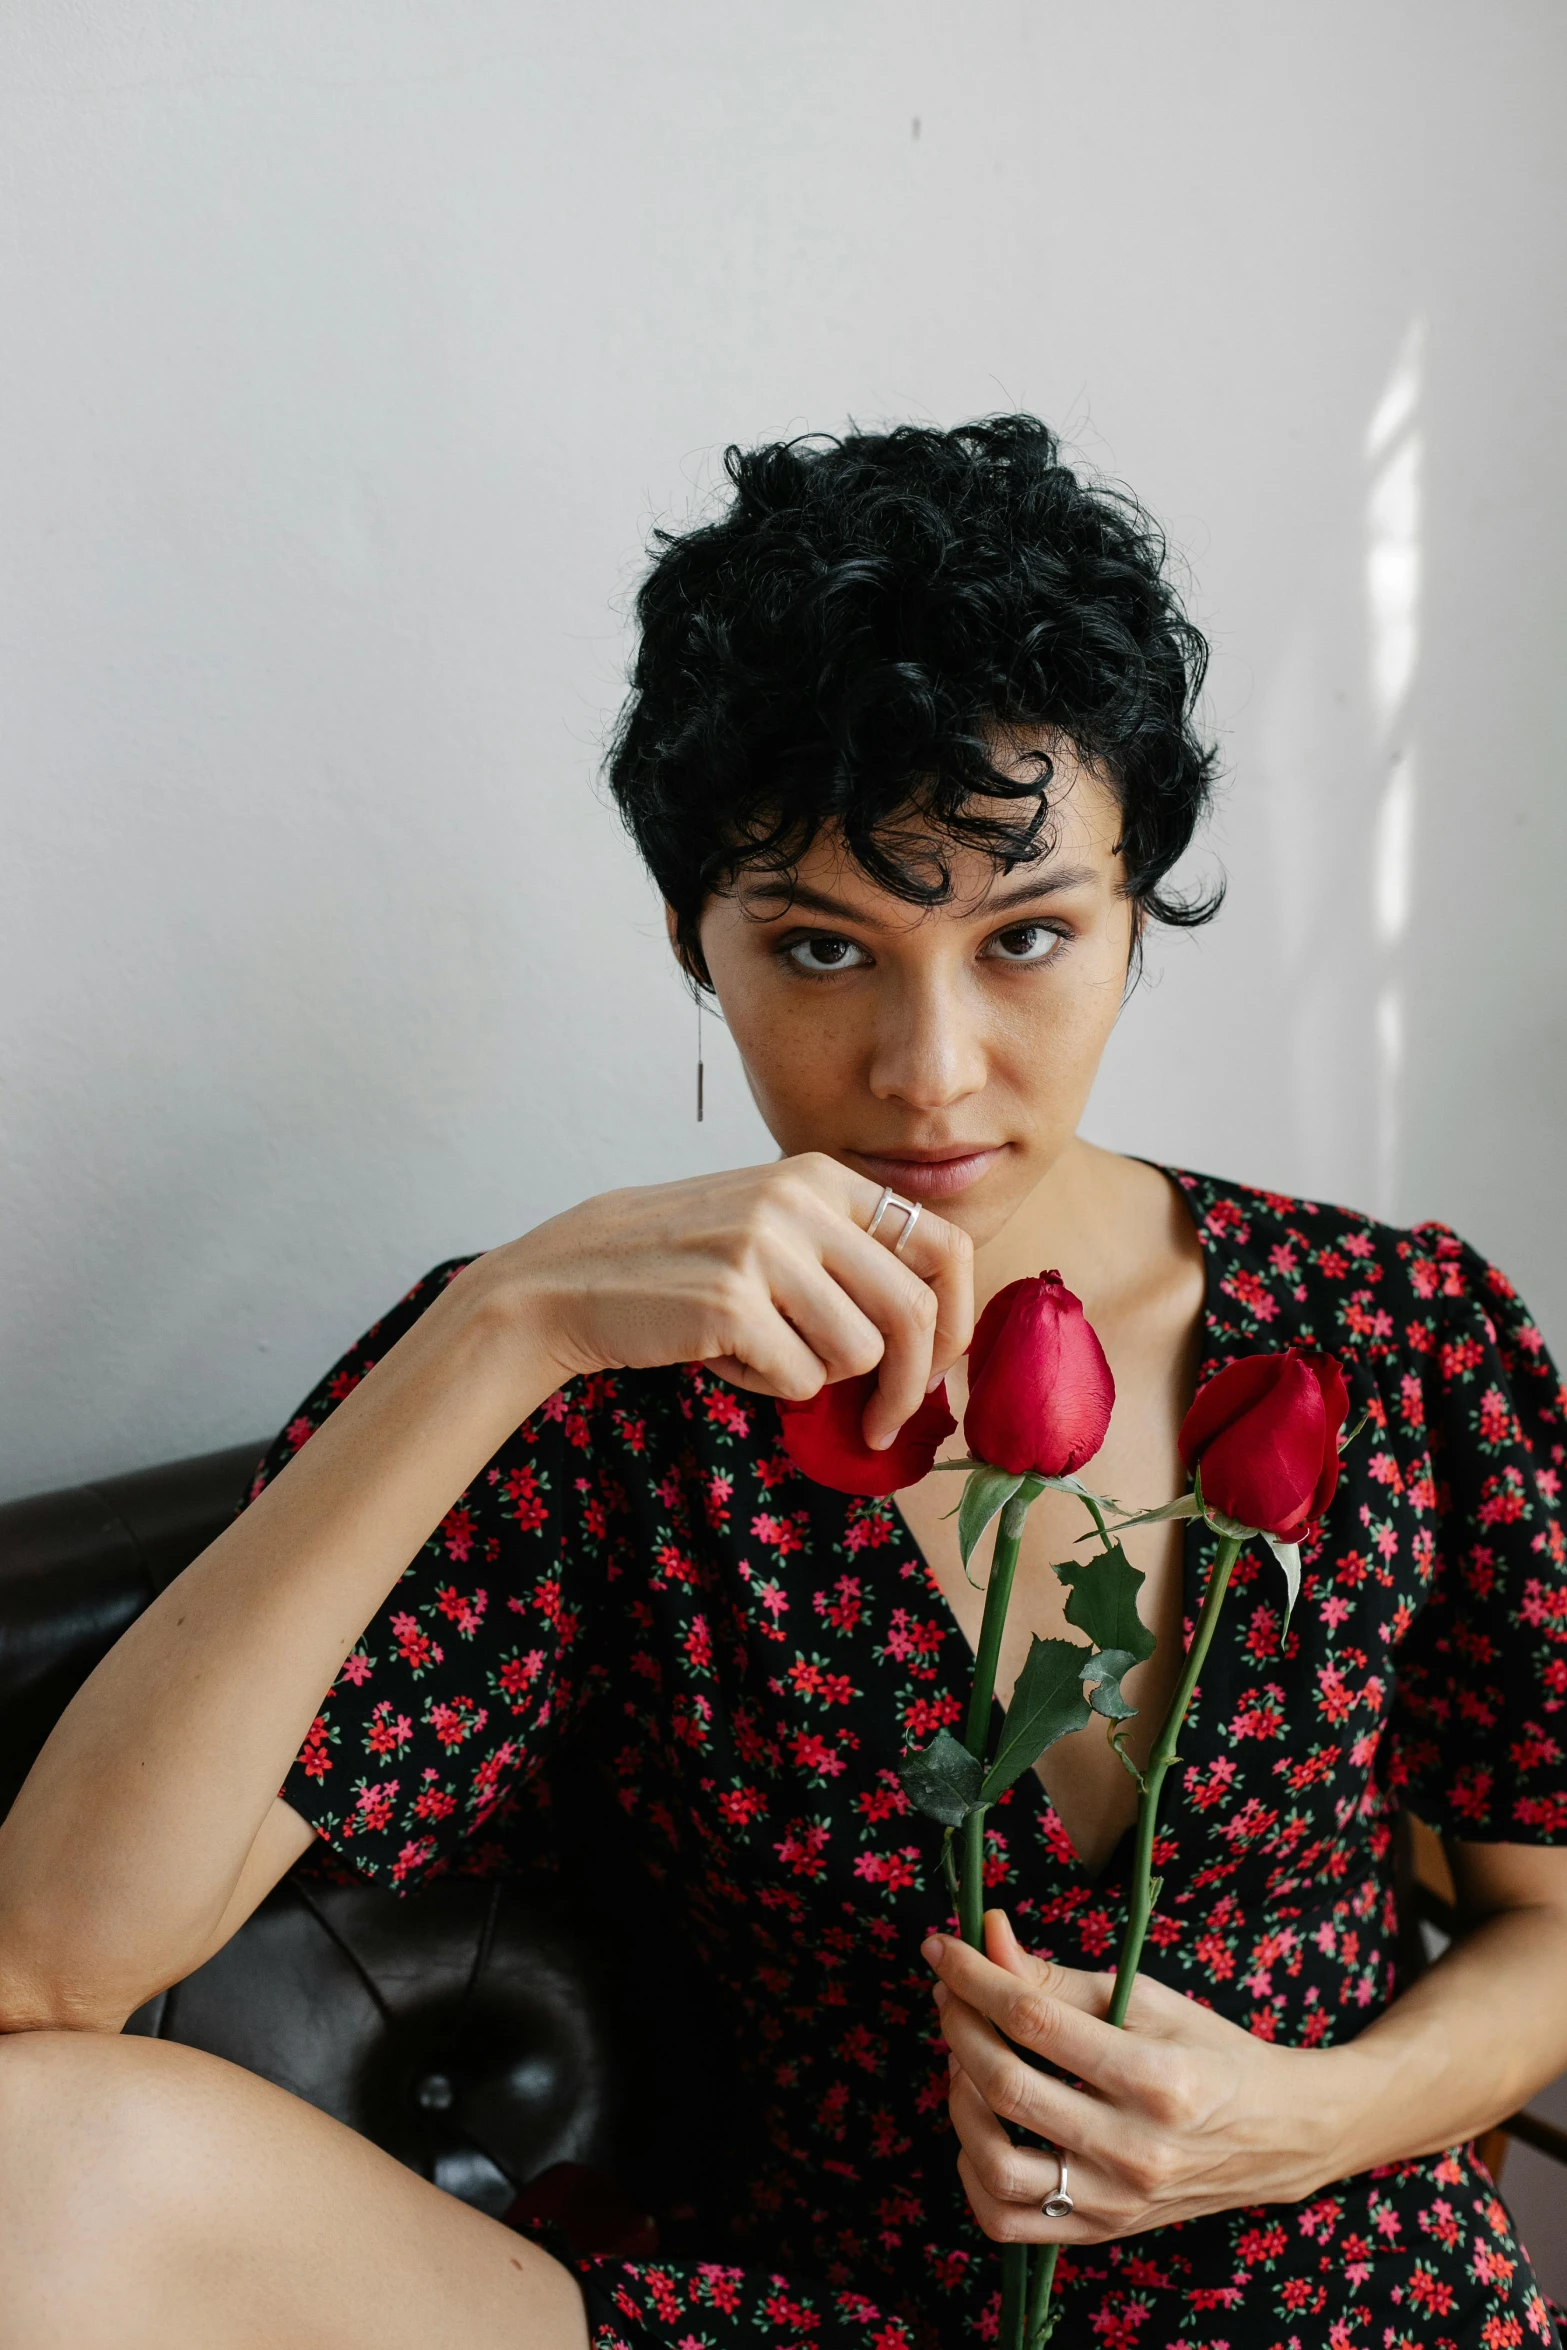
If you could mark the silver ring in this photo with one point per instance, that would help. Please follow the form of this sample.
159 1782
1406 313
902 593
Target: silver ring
910 1210
1059 2204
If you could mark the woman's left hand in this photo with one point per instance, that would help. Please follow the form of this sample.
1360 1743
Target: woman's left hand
1178 2114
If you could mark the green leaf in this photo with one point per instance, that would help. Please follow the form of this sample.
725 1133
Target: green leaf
1104 1602
1047 1703
1103 1683
942 1780
1288 1556
1084 1492
1117 1740
1185 1505
985 1496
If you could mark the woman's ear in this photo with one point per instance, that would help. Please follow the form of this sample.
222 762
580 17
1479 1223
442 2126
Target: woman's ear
1137 932
676 946
691 965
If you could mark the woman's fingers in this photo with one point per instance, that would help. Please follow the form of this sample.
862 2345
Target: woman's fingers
1041 2016
1014 2223
767 1274
1181 2113
776 1362
1007 2184
845 1333
942 1256
903 1310
921 1298
1089 1992
857 1303
1018 2092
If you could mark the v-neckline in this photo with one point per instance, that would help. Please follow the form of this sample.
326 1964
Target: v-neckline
1191 1536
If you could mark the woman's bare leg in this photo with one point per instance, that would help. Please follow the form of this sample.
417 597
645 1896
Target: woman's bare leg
152 2198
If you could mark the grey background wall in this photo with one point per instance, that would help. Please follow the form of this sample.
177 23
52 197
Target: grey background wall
349 353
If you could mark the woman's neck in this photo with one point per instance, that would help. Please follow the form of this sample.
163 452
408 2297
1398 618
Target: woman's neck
1094 1219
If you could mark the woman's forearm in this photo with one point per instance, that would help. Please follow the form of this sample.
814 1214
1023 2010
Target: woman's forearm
120 1860
139 1837
1466 2045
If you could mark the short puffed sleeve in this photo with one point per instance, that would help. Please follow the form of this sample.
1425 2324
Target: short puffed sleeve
1480 1711
476 1664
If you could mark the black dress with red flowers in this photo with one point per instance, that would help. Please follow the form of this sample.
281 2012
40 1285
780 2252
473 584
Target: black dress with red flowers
639 1591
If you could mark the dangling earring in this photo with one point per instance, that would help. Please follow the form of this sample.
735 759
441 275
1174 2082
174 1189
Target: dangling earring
699 1070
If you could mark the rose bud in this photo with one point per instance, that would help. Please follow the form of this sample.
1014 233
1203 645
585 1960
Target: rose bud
1040 1391
825 1437
1264 1434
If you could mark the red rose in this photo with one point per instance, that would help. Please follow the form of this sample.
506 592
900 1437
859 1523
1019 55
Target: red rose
1264 1433
1040 1391
826 1439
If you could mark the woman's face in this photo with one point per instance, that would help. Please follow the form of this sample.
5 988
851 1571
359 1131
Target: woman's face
948 1052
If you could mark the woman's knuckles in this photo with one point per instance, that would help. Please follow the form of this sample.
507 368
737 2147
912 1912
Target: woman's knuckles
1008 2177
1059 1982
1032 2017
1167 2092
924 1309
799 1188
1150 2171
1013 2097
857 1353
1002 2222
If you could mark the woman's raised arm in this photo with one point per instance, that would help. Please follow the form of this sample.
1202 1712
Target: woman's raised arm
123 1855
150 1826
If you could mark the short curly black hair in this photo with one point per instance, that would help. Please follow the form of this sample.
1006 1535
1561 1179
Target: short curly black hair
839 645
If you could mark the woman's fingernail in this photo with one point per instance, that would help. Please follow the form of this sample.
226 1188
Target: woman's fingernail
940 1994
933 1950
934 1381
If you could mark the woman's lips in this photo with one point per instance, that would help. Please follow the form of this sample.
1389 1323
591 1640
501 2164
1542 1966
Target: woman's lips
930 1177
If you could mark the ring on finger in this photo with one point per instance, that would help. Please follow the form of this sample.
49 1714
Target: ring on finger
1058 2203
910 1210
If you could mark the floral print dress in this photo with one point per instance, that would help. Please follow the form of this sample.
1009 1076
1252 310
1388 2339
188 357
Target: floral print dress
640 1583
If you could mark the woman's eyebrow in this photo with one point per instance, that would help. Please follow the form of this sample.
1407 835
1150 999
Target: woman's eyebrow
818 901
1046 885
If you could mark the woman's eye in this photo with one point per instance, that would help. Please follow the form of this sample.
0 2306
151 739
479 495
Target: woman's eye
820 952
1030 942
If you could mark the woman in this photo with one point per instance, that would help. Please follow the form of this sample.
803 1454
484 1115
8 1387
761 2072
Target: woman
910 754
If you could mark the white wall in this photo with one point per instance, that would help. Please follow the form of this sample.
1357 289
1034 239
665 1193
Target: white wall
349 350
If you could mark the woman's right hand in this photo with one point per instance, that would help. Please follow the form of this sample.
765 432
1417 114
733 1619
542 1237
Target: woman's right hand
766 1275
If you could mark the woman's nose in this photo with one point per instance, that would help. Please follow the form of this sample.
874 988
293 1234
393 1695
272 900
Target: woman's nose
928 1051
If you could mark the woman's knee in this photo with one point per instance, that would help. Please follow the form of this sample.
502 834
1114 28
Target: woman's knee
108 2155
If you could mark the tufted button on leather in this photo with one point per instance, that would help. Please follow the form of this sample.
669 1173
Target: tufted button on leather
480 2029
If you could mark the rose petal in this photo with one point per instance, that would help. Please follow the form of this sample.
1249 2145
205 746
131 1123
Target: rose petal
825 1437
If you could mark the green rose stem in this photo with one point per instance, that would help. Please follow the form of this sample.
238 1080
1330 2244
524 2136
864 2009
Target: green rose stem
1041 2325
1144 1888
971 1878
1003 1566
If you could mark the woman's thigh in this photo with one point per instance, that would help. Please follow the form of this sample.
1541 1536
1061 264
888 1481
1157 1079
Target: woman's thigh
150 2195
